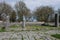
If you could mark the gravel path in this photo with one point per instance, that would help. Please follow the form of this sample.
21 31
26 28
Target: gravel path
28 35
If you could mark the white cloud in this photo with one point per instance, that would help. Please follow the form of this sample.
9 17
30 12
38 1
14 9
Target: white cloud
32 4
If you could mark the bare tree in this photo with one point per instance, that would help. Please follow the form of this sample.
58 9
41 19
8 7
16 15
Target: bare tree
42 13
22 11
5 11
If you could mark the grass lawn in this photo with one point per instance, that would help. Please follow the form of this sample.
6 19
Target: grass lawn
2 30
40 27
32 27
35 27
56 36
14 26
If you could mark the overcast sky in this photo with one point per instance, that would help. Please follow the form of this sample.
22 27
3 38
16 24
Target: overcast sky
32 4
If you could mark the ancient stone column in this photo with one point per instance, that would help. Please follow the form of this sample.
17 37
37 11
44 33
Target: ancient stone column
7 22
24 21
56 20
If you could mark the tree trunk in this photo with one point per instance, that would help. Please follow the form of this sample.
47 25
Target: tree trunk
46 20
24 21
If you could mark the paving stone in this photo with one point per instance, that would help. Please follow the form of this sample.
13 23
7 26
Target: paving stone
27 35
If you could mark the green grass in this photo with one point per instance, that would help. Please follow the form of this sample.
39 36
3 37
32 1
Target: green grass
34 27
2 30
41 27
31 28
14 26
56 36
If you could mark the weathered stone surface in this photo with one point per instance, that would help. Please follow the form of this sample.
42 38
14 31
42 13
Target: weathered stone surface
27 35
